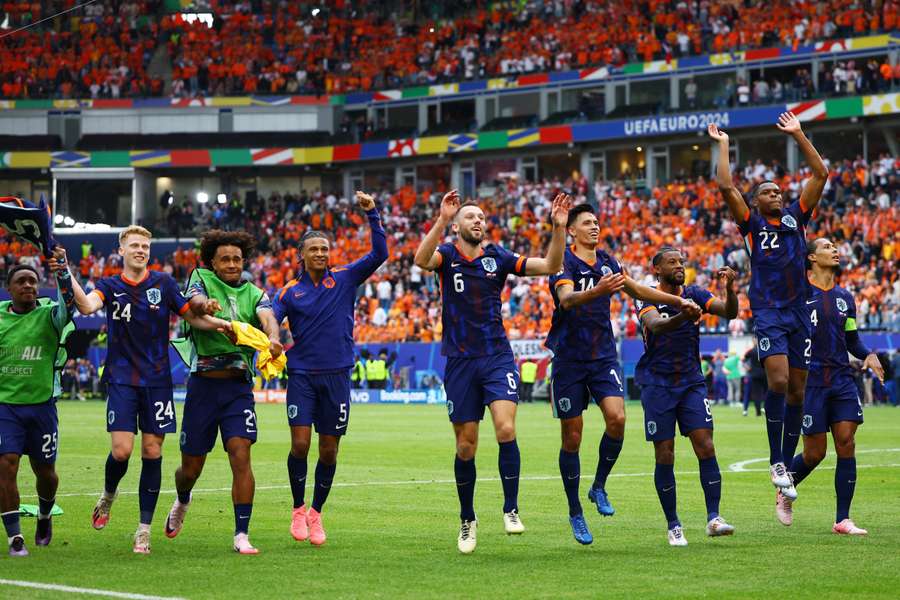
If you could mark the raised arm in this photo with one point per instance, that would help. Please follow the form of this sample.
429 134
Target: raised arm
66 296
569 298
812 191
87 304
728 308
733 197
427 256
363 268
552 262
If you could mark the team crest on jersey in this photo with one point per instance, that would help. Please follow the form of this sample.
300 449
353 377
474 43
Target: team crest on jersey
489 264
292 411
651 427
841 304
764 344
807 421
565 404
789 221
605 270
328 282
154 296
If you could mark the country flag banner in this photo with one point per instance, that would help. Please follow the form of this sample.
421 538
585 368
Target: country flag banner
272 156
404 147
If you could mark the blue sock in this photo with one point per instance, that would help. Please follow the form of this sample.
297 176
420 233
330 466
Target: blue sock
799 469
297 476
510 463
664 478
115 471
711 480
11 523
465 487
793 417
844 486
324 477
148 488
774 424
570 470
609 453
242 514
45 507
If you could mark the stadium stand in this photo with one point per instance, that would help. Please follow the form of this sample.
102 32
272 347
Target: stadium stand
282 48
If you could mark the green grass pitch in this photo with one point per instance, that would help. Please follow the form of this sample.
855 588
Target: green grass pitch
392 520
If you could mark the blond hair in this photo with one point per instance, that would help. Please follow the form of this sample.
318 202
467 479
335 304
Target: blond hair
134 230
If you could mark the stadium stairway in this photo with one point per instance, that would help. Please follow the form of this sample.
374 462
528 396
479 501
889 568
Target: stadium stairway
161 66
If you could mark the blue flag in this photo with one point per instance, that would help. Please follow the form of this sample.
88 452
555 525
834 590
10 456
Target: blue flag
28 222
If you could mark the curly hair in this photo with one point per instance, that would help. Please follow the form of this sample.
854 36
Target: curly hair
212 239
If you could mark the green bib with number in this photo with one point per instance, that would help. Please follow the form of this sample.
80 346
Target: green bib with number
32 353
238 304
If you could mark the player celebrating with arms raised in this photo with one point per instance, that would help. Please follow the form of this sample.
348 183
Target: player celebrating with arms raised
832 398
32 338
673 388
776 240
319 307
585 361
138 305
481 369
220 387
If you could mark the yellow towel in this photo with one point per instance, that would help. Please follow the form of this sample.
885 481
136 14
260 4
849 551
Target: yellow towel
248 335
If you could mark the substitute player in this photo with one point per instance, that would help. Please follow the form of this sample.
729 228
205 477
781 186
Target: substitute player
673 388
138 304
481 370
775 239
319 307
832 398
32 338
220 387
585 362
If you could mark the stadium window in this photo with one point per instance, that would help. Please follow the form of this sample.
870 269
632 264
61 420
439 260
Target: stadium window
689 160
654 92
432 177
487 172
768 148
839 144
558 166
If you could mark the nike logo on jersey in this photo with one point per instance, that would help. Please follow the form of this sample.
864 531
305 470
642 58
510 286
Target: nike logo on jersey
708 419
812 301
340 426
120 294
585 272
454 264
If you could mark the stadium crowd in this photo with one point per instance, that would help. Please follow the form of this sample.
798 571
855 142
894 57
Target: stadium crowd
267 47
860 211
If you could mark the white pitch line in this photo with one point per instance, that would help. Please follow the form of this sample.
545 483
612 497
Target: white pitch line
87 591
738 467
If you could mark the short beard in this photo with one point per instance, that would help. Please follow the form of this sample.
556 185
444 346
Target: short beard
469 238
672 280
